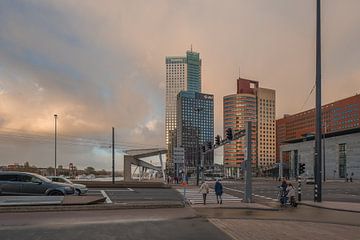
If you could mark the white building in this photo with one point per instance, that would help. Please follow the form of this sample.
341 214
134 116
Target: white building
342 155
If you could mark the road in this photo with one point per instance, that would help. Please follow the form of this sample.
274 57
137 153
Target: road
266 190
120 224
126 195
185 223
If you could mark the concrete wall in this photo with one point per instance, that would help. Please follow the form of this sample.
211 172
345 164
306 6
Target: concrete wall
306 155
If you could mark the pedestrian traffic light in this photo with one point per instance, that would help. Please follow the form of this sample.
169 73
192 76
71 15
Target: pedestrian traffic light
301 168
209 145
229 134
217 140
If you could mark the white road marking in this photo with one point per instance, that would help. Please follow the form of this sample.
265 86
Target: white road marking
106 196
235 190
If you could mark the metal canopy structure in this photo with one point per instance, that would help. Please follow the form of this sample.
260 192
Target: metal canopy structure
132 157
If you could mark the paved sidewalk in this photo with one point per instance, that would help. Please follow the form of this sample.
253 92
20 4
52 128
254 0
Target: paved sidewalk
339 206
240 229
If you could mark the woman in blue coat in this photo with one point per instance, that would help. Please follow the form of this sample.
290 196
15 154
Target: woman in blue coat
218 191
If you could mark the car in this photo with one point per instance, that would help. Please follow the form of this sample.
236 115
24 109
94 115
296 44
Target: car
80 189
24 183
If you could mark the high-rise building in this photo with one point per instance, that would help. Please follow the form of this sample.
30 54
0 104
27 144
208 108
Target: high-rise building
336 116
257 105
182 74
195 126
266 127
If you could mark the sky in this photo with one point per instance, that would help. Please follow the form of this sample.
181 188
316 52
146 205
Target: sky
101 64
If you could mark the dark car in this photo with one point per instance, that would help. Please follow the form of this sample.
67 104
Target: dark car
22 183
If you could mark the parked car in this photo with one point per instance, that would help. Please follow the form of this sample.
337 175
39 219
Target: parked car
79 188
23 183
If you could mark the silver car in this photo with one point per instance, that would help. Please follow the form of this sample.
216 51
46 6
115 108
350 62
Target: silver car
80 189
23 183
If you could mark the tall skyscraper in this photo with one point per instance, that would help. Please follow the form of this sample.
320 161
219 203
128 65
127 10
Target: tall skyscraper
255 104
182 74
195 125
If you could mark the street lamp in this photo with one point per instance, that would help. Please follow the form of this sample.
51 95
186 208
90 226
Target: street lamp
200 159
55 118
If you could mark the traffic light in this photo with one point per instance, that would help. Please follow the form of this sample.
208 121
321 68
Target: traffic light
209 145
203 148
217 140
229 134
301 168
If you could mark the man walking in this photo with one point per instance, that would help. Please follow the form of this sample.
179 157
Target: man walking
204 189
218 191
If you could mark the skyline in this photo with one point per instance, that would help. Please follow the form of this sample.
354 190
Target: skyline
102 65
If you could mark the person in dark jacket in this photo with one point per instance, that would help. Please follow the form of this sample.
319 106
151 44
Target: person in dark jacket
218 191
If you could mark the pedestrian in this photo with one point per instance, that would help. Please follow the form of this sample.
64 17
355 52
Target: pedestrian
218 191
176 179
204 189
351 178
283 192
291 194
169 179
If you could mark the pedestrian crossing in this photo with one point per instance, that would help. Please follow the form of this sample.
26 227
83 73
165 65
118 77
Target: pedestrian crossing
194 197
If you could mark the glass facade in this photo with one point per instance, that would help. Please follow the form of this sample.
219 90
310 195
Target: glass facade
193 71
195 125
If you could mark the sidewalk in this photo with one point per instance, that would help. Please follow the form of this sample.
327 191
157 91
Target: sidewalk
339 206
249 229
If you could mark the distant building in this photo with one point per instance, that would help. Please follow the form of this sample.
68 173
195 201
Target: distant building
337 116
195 126
182 74
255 104
342 155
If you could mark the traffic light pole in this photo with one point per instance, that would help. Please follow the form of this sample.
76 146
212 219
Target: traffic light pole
248 172
202 156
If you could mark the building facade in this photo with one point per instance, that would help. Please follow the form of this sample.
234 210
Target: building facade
195 126
266 133
257 105
340 156
182 74
337 116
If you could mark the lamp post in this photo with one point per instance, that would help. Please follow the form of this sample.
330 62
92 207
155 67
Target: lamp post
199 159
55 118
318 135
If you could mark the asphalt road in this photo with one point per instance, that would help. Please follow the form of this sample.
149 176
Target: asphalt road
126 195
108 225
185 223
267 190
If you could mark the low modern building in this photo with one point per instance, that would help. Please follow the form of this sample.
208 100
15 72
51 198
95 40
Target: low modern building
336 116
341 155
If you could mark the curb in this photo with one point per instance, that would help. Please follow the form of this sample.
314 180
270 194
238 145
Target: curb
329 208
117 206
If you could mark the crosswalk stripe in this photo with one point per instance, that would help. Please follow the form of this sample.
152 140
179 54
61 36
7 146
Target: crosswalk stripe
194 197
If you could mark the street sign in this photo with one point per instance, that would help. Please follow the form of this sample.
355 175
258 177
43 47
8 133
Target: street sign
179 155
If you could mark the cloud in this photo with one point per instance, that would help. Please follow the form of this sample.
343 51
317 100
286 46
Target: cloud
99 65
